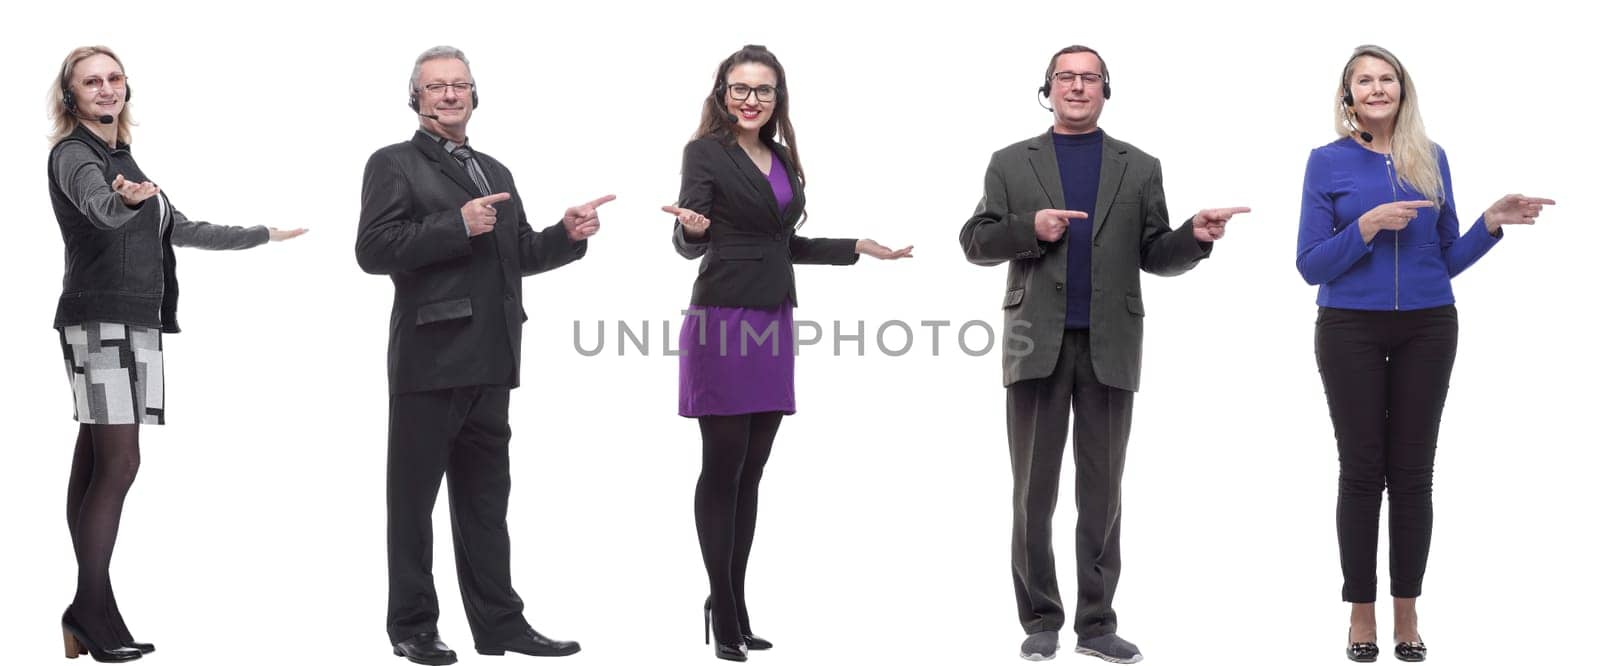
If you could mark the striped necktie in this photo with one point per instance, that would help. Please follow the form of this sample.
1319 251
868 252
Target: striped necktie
469 160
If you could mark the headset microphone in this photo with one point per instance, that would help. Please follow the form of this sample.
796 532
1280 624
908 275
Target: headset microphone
1349 103
70 101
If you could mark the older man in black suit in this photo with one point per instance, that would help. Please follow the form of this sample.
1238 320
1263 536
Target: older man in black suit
1073 300
430 212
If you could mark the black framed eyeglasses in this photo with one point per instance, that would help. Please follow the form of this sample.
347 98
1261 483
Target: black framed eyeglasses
461 87
741 92
1088 78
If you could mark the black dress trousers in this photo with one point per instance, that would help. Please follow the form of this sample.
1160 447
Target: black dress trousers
461 434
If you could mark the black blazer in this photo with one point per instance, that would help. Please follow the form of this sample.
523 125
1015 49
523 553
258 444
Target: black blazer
748 254
457 300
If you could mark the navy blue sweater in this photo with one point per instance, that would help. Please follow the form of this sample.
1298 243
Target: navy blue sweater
1078 158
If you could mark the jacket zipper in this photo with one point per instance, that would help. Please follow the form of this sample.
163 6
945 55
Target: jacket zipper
1394 195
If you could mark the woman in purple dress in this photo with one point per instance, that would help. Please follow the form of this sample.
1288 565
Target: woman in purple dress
736 373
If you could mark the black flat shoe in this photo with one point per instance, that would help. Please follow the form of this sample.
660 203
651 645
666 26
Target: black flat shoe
1410 651
1362 652
531 643
76 641
425 648
755 642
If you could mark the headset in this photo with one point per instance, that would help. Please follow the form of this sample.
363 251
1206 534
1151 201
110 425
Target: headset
417 106
721 89
1349 98
1105 82
69 99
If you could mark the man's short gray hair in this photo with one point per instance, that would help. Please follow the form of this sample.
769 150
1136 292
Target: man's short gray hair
436 53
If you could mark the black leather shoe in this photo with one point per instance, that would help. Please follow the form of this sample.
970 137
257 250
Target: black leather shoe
531 643
77 641
735 651
1410 651
143 648
125 638
1362 652
425 648
756 642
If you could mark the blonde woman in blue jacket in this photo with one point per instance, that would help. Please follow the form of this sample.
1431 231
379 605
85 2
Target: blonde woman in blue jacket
1380 236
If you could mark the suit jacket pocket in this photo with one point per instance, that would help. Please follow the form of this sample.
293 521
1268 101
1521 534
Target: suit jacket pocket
1135 305
458 308
1013 298
738 252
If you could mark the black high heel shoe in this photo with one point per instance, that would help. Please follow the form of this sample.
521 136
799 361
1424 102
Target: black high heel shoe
1410 651
736 651
125 637
1362 652
143 648
77 641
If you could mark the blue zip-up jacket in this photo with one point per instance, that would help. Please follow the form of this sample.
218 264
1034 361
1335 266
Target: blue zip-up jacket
1405 270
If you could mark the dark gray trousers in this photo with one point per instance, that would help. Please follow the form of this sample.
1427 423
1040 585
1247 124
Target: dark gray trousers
1037 413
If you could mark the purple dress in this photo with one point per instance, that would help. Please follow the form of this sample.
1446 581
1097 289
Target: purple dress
739 360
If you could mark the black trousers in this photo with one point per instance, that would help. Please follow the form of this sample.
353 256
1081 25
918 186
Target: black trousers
462 434
1385 374
1036 420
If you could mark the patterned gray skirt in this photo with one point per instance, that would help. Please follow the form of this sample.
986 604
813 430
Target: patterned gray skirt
116 373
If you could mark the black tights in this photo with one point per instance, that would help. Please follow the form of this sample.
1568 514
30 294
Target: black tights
734 451
104 465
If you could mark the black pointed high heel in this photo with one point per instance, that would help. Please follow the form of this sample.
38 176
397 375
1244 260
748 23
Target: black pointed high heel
736 651
77 641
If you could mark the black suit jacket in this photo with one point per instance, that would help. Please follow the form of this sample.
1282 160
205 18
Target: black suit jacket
457 300
748 254
1130 233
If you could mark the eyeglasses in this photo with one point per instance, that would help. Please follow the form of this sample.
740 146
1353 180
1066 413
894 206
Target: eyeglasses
461 88
1065 78
741 92
95 83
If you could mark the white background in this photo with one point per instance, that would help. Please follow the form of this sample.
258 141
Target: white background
255 533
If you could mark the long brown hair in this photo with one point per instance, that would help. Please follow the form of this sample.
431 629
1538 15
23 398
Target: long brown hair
716 121
62 120
1416 159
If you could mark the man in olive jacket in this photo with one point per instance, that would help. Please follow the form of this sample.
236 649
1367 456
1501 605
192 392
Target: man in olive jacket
1076 214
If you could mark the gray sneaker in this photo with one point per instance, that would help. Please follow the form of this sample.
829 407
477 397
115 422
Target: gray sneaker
1110 647
1041 646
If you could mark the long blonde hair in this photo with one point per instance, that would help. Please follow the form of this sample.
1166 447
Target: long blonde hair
62 120
1416 159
